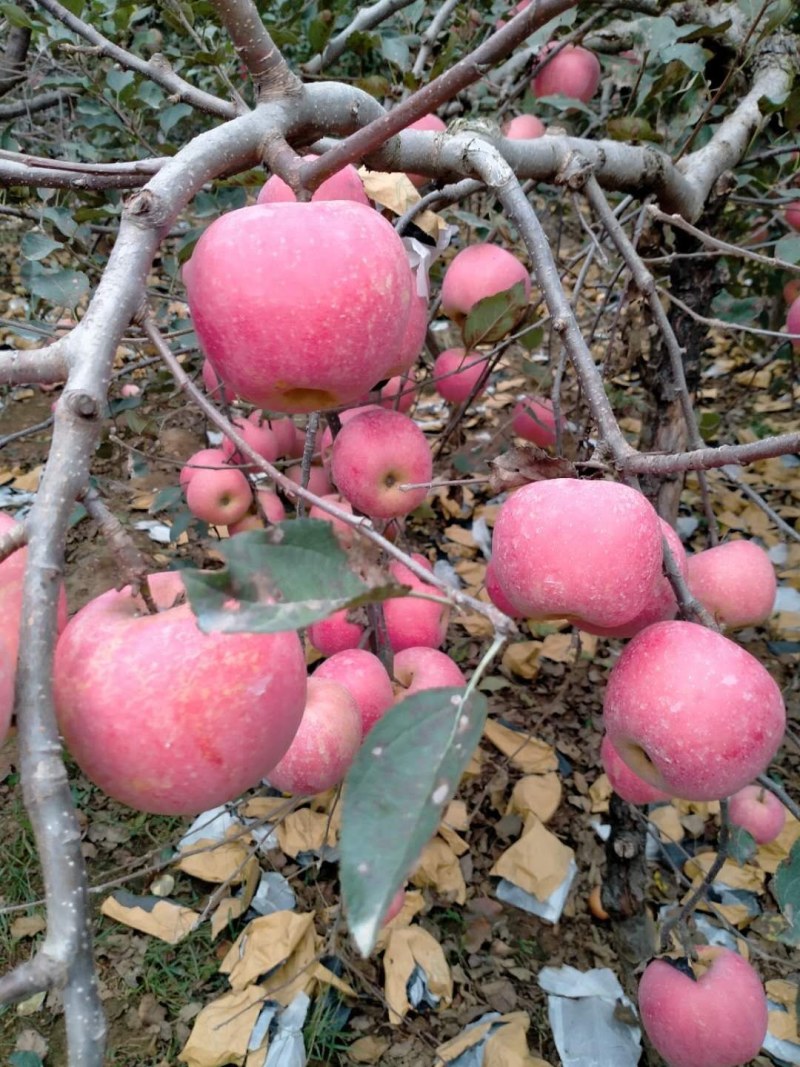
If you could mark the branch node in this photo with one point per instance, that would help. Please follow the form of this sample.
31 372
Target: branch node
81 404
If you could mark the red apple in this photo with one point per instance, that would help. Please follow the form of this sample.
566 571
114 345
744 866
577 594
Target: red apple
213 383
535 421
345 534
623 781
574 72
414 337
363 674
435 125
343 184
524 128
300 306
793 214
325 744
7 674
335 634
718 1019
272 506
419 668
457 372
395 906
282 429
221 496
514 11
793 323
477 272
691 712
397 395
735 582
325 439
496 594
258 436
565 548
318 481
413 621
373 455
757 811
205 459
791 290
166 718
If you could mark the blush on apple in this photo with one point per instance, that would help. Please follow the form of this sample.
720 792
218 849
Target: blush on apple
221 497
717 1018
335 634
206 458
419 668
363 674
573 72
457 372
258 435
166 718
691 712
414 621
477 272
758 811
735 582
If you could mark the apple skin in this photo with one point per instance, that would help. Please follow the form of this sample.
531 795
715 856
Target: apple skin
691 712
12 577
335 634
300 307
757 811
718 1020
397 395
213 458
345 534
271 505
216 390
496 594
409 621
574 72
457 372
282 429
325 744
221 496
793 214
363 674
661 605
735 582
343 184
414 336
534 420
7 675
258 436
566 548
395 906
419 668
433 124
623 781
477 272
169 733
373 455
318 481
524 128
793 322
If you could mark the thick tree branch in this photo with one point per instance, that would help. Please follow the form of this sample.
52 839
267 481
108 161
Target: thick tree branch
12 61
26 366
17 168
256 49
157 69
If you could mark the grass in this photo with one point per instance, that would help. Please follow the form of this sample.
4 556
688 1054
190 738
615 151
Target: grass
324 1031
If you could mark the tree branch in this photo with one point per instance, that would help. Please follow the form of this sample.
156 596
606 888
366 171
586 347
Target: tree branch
699 459
435 27
256 49
34 103
26 366
365 19
12 61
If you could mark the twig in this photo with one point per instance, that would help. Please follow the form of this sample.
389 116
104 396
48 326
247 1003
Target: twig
13 539
365 19
34 103
778 791
448 194
133 567
312 426
687 602
705 458
758 499
428 40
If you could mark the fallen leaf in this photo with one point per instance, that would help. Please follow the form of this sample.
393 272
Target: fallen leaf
164 919
407 949
529 754
221 1032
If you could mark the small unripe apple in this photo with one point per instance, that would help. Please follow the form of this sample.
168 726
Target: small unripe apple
735 582
457 372
718 1019
363 674
524 128
373 455
344 184
691 712
793 214
568 548
623 781
758 811
166 718
206 458
419 668
220 497
574 72
335 634
325 744
534 420
410 620
433 124
477 272
793 323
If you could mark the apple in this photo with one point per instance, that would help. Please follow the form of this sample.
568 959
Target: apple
456 372
345 534
335 634
206 458
477 272
524 128
567 548
661 605
166 718
623 781
272 506
414 337
535 421
395 906
717 1019
500 23
496 594
258 436
758 811
413 621
343 184
325 439
318 481
363 674
433 124
421 667
12 577
691 712
573 72
373 455
283 430
793 214
793 323
221 497
300 307
213 383
7 674
791 290
396 395
735 582
325 744
130 389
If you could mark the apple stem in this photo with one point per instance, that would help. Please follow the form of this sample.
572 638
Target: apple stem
132 564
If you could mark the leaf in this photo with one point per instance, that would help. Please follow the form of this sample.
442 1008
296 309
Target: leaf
16 16
527 463
786 890
278 579
62 288
493 317
788 249
395 793
741 845
37 245
171 116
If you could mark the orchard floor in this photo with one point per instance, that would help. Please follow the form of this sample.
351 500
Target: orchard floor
152 991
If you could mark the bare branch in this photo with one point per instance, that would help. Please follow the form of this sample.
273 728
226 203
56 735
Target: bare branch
12 61
256 49
436 26
17 168
733 475
365 19
26 366
156 69
700 459
34 103
13 539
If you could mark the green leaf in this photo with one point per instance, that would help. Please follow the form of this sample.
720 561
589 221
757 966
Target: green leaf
37 245
61 288
709 423
786 890
117 80
278 579
788 248
395 792
171 116
25 1059
741 845
17 16
493 317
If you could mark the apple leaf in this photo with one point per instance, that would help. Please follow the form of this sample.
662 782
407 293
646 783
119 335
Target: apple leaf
786 890
741 845
493 317
395 793
282 578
